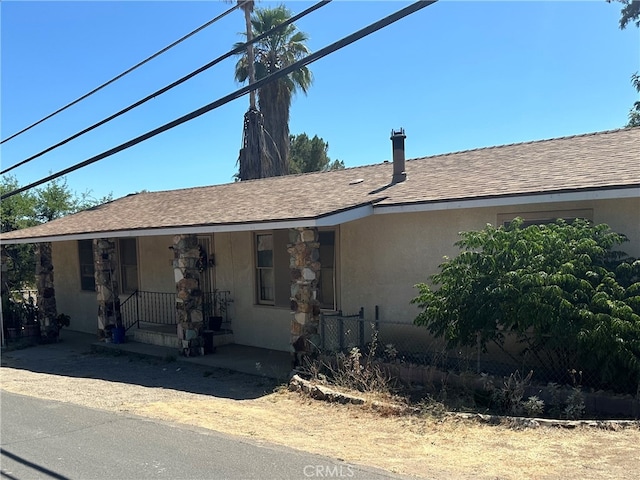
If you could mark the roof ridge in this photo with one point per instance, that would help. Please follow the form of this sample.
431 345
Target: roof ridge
528 142
244 182
385 162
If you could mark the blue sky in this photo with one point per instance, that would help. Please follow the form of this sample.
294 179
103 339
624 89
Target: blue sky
455 75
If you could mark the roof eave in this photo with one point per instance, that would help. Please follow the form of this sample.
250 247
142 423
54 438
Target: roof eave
606 193
325 220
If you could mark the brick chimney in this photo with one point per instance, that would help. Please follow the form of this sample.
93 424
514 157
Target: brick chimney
397 142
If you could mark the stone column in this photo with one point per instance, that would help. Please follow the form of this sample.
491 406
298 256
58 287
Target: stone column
304 266
186 253
46 301
106 267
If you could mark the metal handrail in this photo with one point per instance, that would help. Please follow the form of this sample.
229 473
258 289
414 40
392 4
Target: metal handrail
150 307
159 307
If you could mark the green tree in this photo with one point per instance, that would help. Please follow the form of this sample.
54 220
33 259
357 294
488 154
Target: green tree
273 53
30 208
630 13
56 199
336 165
17 212
310 155
634 113
562 290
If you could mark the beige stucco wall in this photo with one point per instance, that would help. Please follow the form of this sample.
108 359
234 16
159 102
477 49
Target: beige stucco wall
80 305
380 259
155 267
256 325
155 274
384 256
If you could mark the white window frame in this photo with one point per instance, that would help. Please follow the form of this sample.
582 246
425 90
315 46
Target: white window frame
545 216
279 302
262 270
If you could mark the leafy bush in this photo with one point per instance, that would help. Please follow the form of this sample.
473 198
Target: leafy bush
561 289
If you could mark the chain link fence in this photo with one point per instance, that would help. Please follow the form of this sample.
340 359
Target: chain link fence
408 344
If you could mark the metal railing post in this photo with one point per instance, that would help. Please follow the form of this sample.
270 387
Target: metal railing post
361 327
478 349
377 317
137 310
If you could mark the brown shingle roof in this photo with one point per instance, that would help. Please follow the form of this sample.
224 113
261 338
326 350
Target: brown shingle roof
603 160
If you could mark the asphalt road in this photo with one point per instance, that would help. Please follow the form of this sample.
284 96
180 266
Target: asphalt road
43 439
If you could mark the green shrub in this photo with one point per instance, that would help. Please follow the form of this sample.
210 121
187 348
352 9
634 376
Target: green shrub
561 289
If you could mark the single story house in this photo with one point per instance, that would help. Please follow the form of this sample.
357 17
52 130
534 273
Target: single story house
286 249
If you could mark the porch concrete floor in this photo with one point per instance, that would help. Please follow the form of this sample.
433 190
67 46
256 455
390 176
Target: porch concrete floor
239 358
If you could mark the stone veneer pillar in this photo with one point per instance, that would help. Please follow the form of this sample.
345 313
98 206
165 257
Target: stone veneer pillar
46 300
304 266
105 264
188 292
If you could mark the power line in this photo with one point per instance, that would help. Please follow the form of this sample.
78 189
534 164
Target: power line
117 77
238 93
234 51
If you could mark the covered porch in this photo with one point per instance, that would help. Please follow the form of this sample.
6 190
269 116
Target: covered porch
193 292
152 318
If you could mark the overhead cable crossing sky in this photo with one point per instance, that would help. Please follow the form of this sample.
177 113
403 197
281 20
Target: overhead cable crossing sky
345 41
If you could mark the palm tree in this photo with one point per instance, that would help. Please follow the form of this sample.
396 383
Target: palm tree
247 8
254 160
272 53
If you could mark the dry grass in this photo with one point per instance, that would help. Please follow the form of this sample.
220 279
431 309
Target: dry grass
422 446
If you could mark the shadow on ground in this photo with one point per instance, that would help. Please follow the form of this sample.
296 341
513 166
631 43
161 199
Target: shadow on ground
73 359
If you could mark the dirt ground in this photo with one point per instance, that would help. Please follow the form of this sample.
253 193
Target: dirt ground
255 407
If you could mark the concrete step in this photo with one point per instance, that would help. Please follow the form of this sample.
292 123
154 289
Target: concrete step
170 339
222 338
162 339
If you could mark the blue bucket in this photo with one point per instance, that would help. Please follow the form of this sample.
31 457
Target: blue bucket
117 335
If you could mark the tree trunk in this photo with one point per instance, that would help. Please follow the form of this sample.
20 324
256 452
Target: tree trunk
275 100
254 160
247 8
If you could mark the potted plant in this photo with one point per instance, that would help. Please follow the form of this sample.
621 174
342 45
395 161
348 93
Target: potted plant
118 332
11 319
62 320
219 309
215 323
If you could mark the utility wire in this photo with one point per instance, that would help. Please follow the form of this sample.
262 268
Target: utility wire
237 94
236 50
160 52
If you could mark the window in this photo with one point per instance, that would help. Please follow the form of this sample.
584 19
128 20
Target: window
127 249
87 269
542 218
273 276
326 282
264 264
